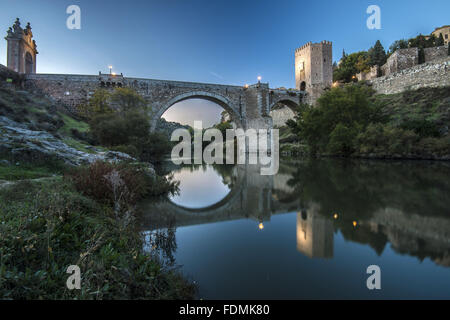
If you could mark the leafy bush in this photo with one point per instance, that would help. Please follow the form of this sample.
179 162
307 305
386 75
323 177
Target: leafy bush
154 147
109 130
386 140
423 128
342 140
132 182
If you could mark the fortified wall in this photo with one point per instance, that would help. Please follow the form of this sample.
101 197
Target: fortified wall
435 73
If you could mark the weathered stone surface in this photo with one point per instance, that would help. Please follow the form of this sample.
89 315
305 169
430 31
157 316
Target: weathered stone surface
401 59
24 144
431 74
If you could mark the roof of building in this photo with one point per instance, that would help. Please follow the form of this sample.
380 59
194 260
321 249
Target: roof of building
439 28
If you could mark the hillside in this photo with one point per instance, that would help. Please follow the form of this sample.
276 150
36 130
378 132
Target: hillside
37 138
410 125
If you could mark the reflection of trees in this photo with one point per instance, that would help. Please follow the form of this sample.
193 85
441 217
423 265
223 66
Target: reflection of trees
226 171
163 244
359 188
401 202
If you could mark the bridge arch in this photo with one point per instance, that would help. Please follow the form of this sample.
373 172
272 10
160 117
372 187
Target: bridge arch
290 103
222 101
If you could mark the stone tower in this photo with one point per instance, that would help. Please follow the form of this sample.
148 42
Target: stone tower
21 49
314 68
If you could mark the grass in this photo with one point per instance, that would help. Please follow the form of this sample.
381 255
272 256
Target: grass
20 172
48 225
71 142
71 123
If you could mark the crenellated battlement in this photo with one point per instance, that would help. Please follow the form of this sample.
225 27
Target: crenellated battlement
310 44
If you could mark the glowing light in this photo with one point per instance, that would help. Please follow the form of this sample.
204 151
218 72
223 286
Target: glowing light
335 216
113 73
110 67
355 224
261 226
259 78
246 86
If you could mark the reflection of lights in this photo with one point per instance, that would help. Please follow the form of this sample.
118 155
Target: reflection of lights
355 224
335 216
261 226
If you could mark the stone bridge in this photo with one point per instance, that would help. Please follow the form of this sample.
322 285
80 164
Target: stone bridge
248 106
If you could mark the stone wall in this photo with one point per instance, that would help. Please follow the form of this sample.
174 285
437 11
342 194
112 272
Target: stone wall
401 59
280 115
6 73
431 74
372 74
435 53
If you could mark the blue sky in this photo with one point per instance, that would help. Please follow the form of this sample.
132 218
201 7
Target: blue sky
230 42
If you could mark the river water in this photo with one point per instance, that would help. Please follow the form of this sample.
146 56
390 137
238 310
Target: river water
309 232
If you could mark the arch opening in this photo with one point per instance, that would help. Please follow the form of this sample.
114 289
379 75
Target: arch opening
197 106
303 86
28 63
283 110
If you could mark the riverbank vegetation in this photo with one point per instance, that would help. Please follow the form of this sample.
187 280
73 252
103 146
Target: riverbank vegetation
120 120
88 221
354 121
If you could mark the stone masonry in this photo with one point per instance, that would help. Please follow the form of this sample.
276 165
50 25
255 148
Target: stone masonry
248 106
314 69
435 73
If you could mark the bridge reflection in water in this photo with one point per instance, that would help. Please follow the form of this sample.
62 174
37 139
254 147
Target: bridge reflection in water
354 199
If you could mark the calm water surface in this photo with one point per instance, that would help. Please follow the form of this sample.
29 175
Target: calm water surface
310 231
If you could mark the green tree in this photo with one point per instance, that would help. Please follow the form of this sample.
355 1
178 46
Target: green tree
98 104
421 55
349 66
440 41
342 140
398 44
126 99
377 54
349 106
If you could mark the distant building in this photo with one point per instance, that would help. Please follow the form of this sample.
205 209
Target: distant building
445 30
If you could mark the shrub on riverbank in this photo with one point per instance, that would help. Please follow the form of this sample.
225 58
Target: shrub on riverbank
47 226
107 183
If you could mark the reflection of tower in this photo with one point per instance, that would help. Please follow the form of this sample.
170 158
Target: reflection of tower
314 233
258 191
